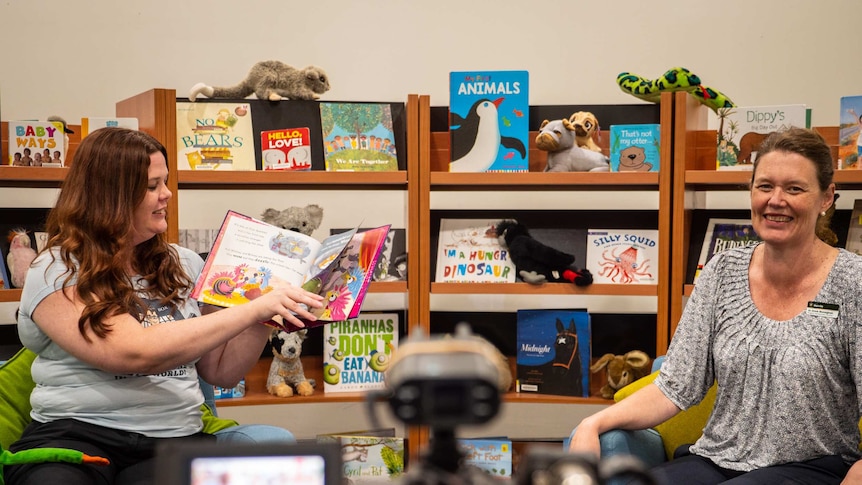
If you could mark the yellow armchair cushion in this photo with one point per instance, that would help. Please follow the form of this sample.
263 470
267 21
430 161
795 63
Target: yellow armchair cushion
684 428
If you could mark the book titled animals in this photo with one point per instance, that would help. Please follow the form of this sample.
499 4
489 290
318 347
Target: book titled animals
358 137
635 148
357 352
250 258
553 352
724 234
741 130
849 131
214 136
285 149
623 256
489 121
37 144
468 251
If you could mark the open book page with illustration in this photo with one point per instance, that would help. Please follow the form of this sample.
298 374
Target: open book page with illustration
250 258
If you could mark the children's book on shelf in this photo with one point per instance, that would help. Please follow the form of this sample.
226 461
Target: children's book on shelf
849 130
37 144
285 149
468 251
358 137
489 121
553 352
740 131
357 352
854 231
92 123
493 455
722 234
229 393
250 257
635 148
4 275
215 136
392 265
623 256
369 456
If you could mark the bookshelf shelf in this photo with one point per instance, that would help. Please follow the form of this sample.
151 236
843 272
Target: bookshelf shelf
544 289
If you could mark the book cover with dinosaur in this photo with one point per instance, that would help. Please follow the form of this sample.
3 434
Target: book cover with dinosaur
489 121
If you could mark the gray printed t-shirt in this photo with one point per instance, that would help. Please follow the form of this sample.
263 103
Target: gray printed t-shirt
160 406
787 390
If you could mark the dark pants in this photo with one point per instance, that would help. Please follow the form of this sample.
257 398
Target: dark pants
695 470
131 455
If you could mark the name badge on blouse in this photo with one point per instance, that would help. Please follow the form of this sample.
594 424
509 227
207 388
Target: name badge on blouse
817 309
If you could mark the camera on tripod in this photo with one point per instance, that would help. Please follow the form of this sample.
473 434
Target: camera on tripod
446 382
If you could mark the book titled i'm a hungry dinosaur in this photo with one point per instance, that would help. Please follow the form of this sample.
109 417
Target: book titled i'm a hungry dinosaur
489 121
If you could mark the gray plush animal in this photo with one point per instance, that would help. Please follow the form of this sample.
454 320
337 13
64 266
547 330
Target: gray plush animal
300 219
286 374
558 139
272 80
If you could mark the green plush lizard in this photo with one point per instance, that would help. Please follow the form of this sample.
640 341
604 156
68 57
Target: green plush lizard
44 455
676 79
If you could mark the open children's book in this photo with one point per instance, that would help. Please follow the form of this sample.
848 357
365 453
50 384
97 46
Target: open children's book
251 257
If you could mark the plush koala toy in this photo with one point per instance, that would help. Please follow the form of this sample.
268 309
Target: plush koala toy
558 137
300 219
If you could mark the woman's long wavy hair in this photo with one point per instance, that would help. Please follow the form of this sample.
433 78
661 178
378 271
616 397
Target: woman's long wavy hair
92 225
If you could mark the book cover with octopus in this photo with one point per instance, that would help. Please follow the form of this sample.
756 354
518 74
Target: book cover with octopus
623 256
250 258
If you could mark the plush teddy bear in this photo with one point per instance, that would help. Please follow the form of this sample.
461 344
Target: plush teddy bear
300 219
535 262
558 137
20 256
622 370
286 375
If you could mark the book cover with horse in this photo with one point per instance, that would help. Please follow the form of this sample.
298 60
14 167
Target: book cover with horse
553 354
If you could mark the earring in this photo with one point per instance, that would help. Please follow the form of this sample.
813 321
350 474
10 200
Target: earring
823 214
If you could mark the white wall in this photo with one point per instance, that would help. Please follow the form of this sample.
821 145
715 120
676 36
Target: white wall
78 59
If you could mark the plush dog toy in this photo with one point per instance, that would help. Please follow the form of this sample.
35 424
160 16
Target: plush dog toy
675 79
535 262
286 375
272 80
557 137
586 124
300 219
622 370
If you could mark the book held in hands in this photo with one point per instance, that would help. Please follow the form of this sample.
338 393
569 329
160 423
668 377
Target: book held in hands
251 257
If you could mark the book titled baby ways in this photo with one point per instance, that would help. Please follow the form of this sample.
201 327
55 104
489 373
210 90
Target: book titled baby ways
251 257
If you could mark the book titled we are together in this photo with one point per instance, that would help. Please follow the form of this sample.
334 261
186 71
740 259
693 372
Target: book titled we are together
250 258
